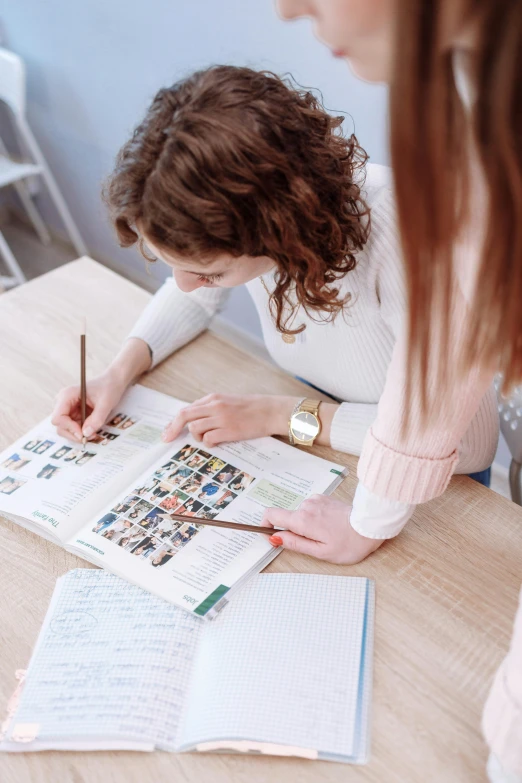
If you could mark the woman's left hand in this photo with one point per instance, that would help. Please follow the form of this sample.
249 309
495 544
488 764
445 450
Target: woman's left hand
221 418
321 528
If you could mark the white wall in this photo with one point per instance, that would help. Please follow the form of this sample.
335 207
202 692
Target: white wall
94 66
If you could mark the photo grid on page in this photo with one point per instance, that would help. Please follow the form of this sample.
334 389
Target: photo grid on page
192 483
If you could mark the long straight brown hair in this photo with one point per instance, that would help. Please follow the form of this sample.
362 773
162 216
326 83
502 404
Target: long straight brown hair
432 134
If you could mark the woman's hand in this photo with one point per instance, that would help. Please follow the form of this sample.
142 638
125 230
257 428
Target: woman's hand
103 395
220 418
321 528
103 392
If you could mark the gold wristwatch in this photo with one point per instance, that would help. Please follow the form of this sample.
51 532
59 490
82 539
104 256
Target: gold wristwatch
304 425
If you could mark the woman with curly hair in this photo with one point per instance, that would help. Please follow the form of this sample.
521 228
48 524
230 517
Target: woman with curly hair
234 177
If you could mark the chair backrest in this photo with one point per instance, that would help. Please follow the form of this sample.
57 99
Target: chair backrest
12 81
510 411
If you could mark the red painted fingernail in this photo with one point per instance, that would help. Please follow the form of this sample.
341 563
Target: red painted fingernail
276 540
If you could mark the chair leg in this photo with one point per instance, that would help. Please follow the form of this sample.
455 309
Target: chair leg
515 481
59 202
25 197
10 260
35 217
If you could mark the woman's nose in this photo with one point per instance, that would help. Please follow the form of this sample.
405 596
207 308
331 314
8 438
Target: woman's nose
187 282
293 9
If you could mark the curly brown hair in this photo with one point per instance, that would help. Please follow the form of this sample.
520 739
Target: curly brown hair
238 161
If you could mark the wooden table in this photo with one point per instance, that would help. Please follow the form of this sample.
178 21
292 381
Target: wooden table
446 588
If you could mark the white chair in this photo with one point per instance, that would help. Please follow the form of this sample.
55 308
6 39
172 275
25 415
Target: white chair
510 411
12 172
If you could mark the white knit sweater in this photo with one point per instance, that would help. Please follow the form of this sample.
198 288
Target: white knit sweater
347 358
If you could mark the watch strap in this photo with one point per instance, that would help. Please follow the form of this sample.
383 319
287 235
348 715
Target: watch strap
311 406
297 406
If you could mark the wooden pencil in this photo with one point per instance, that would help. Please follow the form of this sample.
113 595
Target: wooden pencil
83 380
268 531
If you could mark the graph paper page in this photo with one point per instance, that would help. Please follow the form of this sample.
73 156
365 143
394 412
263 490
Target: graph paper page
112 661
281 665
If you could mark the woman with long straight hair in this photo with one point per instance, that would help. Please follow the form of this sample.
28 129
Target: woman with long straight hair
455 74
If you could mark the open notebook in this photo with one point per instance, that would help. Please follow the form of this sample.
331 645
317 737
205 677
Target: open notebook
285 669
112 503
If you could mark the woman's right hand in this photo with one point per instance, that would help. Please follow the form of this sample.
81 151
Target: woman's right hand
103 393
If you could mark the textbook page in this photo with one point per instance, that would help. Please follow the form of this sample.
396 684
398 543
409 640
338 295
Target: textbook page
57 485
189 564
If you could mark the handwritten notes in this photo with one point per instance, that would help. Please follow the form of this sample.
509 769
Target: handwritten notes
112 661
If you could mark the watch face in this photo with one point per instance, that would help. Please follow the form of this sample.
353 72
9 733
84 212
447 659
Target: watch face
305 426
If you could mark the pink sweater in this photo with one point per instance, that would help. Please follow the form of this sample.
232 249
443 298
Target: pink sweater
418 466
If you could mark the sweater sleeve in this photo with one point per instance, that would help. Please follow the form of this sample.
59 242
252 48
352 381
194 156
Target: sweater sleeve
415 466
352 422
350 425
173 318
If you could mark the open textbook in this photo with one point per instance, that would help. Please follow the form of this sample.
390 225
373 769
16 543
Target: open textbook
112 502
285 670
